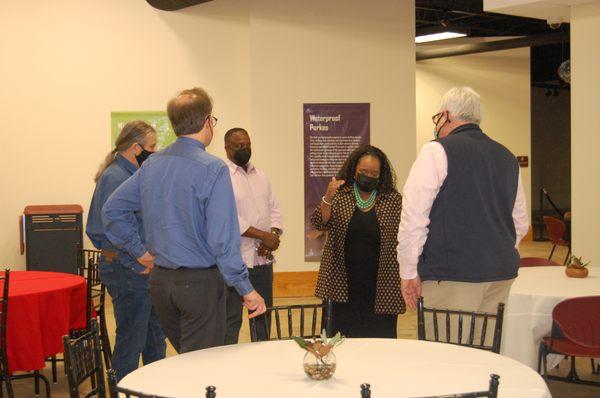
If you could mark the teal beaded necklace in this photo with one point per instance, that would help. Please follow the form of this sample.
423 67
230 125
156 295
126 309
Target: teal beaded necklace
364 204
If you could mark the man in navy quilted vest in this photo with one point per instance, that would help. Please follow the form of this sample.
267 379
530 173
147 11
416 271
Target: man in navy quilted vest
463 215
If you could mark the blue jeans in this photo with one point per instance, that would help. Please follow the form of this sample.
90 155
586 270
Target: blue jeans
138 330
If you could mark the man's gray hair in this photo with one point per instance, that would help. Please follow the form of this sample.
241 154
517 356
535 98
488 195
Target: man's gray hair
463 103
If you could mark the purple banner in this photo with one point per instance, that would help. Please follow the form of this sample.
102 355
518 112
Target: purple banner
331 133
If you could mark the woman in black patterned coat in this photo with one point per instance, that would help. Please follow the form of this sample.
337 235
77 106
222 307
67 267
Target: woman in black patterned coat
359 268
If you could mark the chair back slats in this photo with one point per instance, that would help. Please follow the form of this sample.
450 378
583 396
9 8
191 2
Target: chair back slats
286 321
96 297
88 269
302 319
435 326
472 331
83 361
483 331
314 321
498 328
454 320
278 323
460 328
420 321
447 328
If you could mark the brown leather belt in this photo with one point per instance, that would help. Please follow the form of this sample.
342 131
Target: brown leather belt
109 256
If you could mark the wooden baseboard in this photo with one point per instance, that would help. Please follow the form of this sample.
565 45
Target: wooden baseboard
294 284
529 235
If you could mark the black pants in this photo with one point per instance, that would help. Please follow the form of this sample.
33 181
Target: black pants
190 304
261 277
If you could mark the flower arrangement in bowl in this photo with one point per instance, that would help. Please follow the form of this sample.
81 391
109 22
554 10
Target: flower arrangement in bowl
319 361
576 268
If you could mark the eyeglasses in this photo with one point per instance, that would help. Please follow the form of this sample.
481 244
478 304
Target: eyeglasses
436 118
213 120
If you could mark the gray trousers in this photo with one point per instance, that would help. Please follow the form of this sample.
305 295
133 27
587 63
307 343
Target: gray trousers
261 277
190 304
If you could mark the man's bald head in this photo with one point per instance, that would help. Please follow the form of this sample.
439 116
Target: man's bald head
189 110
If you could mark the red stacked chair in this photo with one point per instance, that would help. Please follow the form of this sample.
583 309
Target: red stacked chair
575 333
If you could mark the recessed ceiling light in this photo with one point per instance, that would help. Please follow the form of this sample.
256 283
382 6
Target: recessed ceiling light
438 36
437 33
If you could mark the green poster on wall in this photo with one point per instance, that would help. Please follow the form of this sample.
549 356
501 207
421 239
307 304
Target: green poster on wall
157 119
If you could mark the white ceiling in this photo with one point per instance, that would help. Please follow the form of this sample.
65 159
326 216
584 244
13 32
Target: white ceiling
541 9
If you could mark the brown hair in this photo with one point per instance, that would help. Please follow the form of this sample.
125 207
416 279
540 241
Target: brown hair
136 131
189 110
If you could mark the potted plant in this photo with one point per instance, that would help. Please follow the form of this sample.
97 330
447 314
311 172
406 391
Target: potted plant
319 361
576 268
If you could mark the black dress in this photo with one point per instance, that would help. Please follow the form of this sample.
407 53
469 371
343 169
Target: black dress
357 317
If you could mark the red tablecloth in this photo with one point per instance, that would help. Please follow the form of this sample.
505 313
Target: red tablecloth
42 307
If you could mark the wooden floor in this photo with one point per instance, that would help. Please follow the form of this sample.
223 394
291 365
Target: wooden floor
407 325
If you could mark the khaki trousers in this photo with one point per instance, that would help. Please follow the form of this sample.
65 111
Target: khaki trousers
463 296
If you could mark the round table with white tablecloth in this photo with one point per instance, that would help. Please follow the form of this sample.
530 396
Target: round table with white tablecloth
394 368
528 315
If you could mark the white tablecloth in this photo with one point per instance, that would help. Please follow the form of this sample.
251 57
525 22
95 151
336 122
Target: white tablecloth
528 316
394 368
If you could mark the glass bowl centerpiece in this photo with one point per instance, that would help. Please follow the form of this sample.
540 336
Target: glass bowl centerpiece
319 361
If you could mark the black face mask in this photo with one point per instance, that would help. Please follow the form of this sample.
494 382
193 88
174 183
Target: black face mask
241 156
141 158
366 183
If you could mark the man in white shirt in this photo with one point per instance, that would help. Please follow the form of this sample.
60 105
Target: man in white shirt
463 214
260 227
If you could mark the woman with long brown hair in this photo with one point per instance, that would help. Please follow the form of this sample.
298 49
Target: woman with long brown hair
138 331
359 269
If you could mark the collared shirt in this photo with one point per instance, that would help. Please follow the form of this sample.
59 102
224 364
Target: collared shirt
188 208
114 175
257 207
425 179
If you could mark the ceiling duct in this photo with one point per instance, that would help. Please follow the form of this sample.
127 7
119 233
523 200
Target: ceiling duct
474 48
174 5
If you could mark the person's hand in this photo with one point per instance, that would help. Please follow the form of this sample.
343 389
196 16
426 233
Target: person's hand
263 251
332 188
147 260
254 302
411 291
270 241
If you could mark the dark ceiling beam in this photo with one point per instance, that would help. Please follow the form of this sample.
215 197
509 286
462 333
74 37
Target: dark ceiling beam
174 5
475 48
460 5
448 11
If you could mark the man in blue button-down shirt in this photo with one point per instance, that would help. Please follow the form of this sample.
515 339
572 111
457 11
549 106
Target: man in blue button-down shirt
190 220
